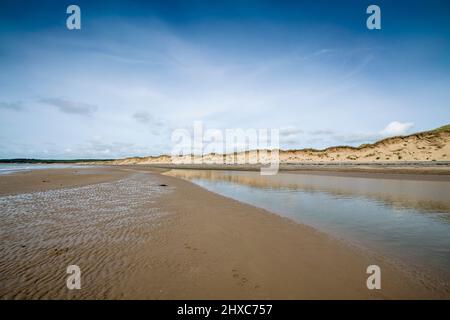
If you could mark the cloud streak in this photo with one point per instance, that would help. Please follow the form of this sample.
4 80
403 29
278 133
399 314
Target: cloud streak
70 107
15 106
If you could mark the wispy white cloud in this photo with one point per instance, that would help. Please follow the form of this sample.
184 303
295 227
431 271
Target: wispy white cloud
396 128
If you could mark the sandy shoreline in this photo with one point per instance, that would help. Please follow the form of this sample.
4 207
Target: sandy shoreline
197 245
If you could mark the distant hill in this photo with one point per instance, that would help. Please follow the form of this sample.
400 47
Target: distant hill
50 161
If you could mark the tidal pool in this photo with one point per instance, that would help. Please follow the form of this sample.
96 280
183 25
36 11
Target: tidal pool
406 219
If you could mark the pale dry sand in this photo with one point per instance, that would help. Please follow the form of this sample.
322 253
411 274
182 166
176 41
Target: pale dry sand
134 238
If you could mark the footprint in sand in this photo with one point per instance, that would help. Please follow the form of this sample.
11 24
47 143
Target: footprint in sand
188 247
241 280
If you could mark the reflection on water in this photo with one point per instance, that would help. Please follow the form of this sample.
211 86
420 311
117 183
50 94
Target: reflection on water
408 219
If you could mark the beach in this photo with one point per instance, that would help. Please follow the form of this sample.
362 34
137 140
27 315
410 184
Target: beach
138 234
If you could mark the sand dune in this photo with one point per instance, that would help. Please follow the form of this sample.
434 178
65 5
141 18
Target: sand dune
425 146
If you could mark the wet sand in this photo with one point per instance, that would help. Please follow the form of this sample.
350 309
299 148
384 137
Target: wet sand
41 180
137 234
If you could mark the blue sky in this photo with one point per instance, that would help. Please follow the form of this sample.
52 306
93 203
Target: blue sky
138 70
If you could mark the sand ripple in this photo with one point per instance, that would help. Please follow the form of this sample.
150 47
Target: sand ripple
99 227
